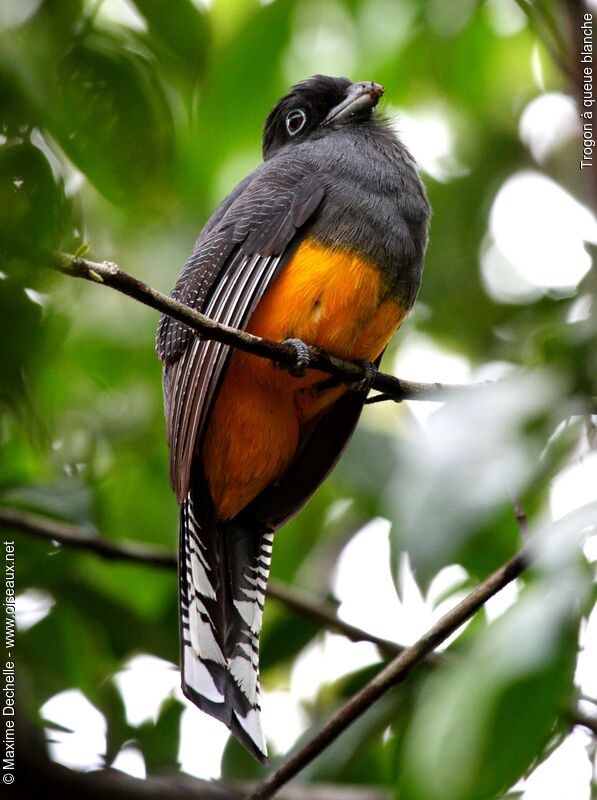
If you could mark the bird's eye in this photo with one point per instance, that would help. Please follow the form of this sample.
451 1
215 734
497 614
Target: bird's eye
295 121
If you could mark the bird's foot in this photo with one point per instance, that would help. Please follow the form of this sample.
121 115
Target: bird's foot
363 385
303 359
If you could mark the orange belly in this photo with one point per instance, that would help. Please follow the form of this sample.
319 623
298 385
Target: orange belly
330 298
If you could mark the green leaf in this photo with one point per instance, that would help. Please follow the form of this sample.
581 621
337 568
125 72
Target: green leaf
67 499
109 701
284 636
460 471
483 719
36 211
159 741
110 106
369 464
238 764
82 250
182 29
362 754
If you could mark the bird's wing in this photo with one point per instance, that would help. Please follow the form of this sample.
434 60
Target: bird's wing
223 567
225 277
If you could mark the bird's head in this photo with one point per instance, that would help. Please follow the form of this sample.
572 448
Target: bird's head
315 106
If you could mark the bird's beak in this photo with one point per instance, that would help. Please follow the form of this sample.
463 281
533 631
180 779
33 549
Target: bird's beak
360 96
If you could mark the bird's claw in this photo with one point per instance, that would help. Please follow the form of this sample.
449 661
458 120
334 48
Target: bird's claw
363 385
303 358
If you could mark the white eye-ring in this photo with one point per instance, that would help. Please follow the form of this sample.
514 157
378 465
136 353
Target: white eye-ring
295 121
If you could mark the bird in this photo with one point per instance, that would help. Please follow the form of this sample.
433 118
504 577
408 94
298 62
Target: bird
322 244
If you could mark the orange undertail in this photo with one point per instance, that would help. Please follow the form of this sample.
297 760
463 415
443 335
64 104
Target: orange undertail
330 298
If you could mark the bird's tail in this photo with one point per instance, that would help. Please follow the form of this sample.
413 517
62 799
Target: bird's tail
223 572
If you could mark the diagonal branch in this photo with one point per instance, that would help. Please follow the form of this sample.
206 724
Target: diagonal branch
111 275
395 672
306 605
300 602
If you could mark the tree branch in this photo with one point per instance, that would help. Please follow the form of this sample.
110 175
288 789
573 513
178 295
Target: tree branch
35 770
81 538
298 601
396 672
304 604
111 275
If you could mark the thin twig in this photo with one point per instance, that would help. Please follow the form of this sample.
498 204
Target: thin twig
63 532
296 600
380 398
315 608
394 673
111 275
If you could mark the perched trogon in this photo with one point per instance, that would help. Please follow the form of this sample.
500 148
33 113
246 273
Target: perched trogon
323 243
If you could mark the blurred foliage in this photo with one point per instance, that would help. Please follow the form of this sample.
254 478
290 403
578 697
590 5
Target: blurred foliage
123 123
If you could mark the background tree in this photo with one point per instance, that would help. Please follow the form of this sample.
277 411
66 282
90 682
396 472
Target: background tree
123 124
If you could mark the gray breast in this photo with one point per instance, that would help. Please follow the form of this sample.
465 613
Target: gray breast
375 203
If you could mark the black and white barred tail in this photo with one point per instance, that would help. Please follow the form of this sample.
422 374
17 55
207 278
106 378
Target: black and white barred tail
223 572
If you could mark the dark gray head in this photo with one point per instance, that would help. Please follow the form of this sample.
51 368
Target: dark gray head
315 106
